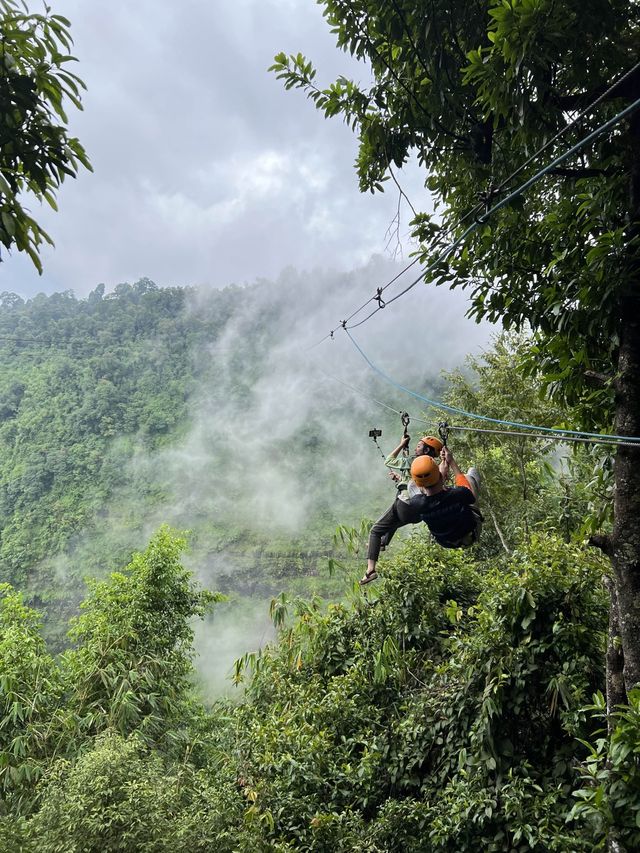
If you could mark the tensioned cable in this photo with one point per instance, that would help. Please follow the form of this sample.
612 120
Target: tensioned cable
513 195
561 132
473 415
358 391
628 442
379 291
514 433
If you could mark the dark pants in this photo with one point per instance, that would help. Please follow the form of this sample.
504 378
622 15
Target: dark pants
397 516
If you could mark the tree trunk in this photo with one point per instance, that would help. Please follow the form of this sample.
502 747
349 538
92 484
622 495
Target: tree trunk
625 539
616 693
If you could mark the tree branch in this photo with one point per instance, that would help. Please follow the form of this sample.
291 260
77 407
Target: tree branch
597 379
603 542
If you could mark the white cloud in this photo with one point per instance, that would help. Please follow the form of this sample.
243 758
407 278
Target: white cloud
206 170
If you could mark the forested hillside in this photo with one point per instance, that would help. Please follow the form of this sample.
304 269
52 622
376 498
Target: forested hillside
126 410
86 385
441 711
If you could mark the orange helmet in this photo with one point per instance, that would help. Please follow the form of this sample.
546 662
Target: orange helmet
433 445
424 471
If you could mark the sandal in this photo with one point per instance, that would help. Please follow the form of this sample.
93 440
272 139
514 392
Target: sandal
369 576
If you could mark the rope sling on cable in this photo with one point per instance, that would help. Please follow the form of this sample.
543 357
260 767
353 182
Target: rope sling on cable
404 417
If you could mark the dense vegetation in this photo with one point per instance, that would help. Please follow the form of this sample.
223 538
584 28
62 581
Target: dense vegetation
525 115
445 711
37 153
440 715
86 384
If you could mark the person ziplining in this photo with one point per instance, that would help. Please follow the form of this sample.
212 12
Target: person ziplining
451 513
399 463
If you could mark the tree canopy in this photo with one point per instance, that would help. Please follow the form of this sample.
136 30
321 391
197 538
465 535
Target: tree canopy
473 90
36 151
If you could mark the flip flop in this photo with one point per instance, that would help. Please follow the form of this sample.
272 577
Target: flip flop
370 576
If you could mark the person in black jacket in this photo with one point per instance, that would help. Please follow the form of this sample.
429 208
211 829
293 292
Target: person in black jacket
451 514
400 513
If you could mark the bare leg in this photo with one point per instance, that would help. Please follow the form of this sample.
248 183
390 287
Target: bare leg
370 574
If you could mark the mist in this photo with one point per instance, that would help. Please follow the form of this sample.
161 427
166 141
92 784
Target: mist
276 453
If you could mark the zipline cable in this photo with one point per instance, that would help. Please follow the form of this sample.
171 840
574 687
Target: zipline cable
473 415
358 391
513 433
379 291
518 434
482 219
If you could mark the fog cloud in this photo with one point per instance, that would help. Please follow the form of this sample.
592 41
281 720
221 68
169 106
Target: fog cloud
205 170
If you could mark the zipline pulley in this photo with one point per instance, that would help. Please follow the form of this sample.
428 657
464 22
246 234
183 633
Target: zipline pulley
443 432
404 417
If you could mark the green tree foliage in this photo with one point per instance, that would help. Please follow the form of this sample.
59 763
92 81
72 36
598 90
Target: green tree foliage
610 800
129 673
36 151
119 798
440 717
132 667
473 91
30 688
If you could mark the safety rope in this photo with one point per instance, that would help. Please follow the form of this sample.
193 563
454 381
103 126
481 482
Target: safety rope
563 433
511 433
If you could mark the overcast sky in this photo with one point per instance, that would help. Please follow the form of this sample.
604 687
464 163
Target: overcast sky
207 171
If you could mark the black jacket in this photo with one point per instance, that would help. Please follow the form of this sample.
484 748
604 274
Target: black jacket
448 514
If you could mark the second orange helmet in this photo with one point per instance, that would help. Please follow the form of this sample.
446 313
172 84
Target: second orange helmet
424 471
